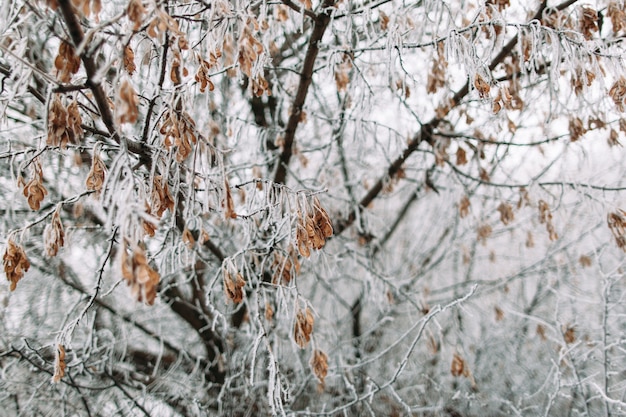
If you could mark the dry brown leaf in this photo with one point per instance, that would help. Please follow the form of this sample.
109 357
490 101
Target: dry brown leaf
15 263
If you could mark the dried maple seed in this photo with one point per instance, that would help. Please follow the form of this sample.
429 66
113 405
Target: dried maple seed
464 206
481 86
129 60
178 129
34 191
54 235
233 287
506 213
303 327
142 279
128 104
59 364
66 62
319 365
545 217
458 367
618 93
161 198
15 263
617 224
97 173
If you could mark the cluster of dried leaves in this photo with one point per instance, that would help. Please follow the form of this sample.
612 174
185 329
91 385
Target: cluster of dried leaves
233 285
202 75
437 75
139 275
64 123
342 73
178 129
319 365
97 173
303 328
250 51
128 103
545 217
59 363
313 229
285 266
67 63
34 190
161 198
54 235
15 263
617 224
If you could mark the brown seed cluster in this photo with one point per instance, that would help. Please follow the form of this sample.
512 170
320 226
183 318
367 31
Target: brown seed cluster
461 156
34 191
576 129
250 50
303 327
506 99
313 229
613 139
458 366
128 103
524 198
588 22
618 93
500 4
139 275
545 217
481 86
54 235
233 286
581 78
319 365
129 60
506 213
161 23
285 267
88 7
97 173
342 73
64 124
188 238
59 363
483 233
617 224
202 75
464 206
384 20
135 13
15 263
228 204
161 198
178 129
584 261
618 17
437 74
67 63
569 335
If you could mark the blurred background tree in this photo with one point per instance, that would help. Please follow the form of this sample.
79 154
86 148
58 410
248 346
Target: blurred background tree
312 208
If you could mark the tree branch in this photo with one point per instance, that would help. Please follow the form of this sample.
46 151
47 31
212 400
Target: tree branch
426 131
306 76
78 38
